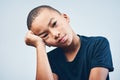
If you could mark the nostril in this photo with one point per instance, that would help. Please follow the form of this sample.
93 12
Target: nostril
56 36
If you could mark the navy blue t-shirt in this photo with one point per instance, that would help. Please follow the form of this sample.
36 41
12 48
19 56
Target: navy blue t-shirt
94 52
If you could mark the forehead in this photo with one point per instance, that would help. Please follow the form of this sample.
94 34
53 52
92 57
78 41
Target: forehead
45 15
42 20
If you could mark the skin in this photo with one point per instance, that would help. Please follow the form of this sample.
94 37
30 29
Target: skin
52 29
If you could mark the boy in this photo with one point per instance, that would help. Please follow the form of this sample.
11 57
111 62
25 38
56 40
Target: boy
75 58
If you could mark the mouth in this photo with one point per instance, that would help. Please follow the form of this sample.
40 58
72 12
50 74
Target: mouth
63 39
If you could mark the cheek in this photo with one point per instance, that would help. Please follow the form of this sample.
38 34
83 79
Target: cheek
70 38
65 27
50 43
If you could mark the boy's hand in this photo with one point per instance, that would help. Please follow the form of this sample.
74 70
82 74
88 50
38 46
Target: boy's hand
33 40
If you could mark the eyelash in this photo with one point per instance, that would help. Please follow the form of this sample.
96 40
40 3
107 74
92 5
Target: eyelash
44 36
54 24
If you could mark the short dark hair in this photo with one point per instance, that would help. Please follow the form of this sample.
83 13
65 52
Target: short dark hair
36 11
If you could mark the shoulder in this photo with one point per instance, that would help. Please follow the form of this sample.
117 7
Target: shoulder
94 39
53 54
56 50
100 39
94 42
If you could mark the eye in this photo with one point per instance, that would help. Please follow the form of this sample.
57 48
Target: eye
54 24
45 35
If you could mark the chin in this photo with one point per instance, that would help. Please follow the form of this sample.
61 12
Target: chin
67 44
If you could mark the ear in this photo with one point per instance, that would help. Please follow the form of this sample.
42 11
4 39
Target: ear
66 17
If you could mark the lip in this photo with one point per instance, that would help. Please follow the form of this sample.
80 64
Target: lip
62 40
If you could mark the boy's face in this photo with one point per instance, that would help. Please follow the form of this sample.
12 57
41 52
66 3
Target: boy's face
53 28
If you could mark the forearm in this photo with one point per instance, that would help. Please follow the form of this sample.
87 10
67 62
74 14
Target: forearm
43 71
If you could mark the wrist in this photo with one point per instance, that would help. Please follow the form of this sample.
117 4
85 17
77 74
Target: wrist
40 45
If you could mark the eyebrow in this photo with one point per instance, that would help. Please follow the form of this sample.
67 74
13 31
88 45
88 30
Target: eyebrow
48 25
50 21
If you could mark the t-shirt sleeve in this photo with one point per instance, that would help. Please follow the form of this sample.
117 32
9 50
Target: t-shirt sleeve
101 56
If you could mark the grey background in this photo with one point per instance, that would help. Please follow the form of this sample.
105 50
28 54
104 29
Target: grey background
88 17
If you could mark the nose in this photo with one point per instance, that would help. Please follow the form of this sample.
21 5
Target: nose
55 34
